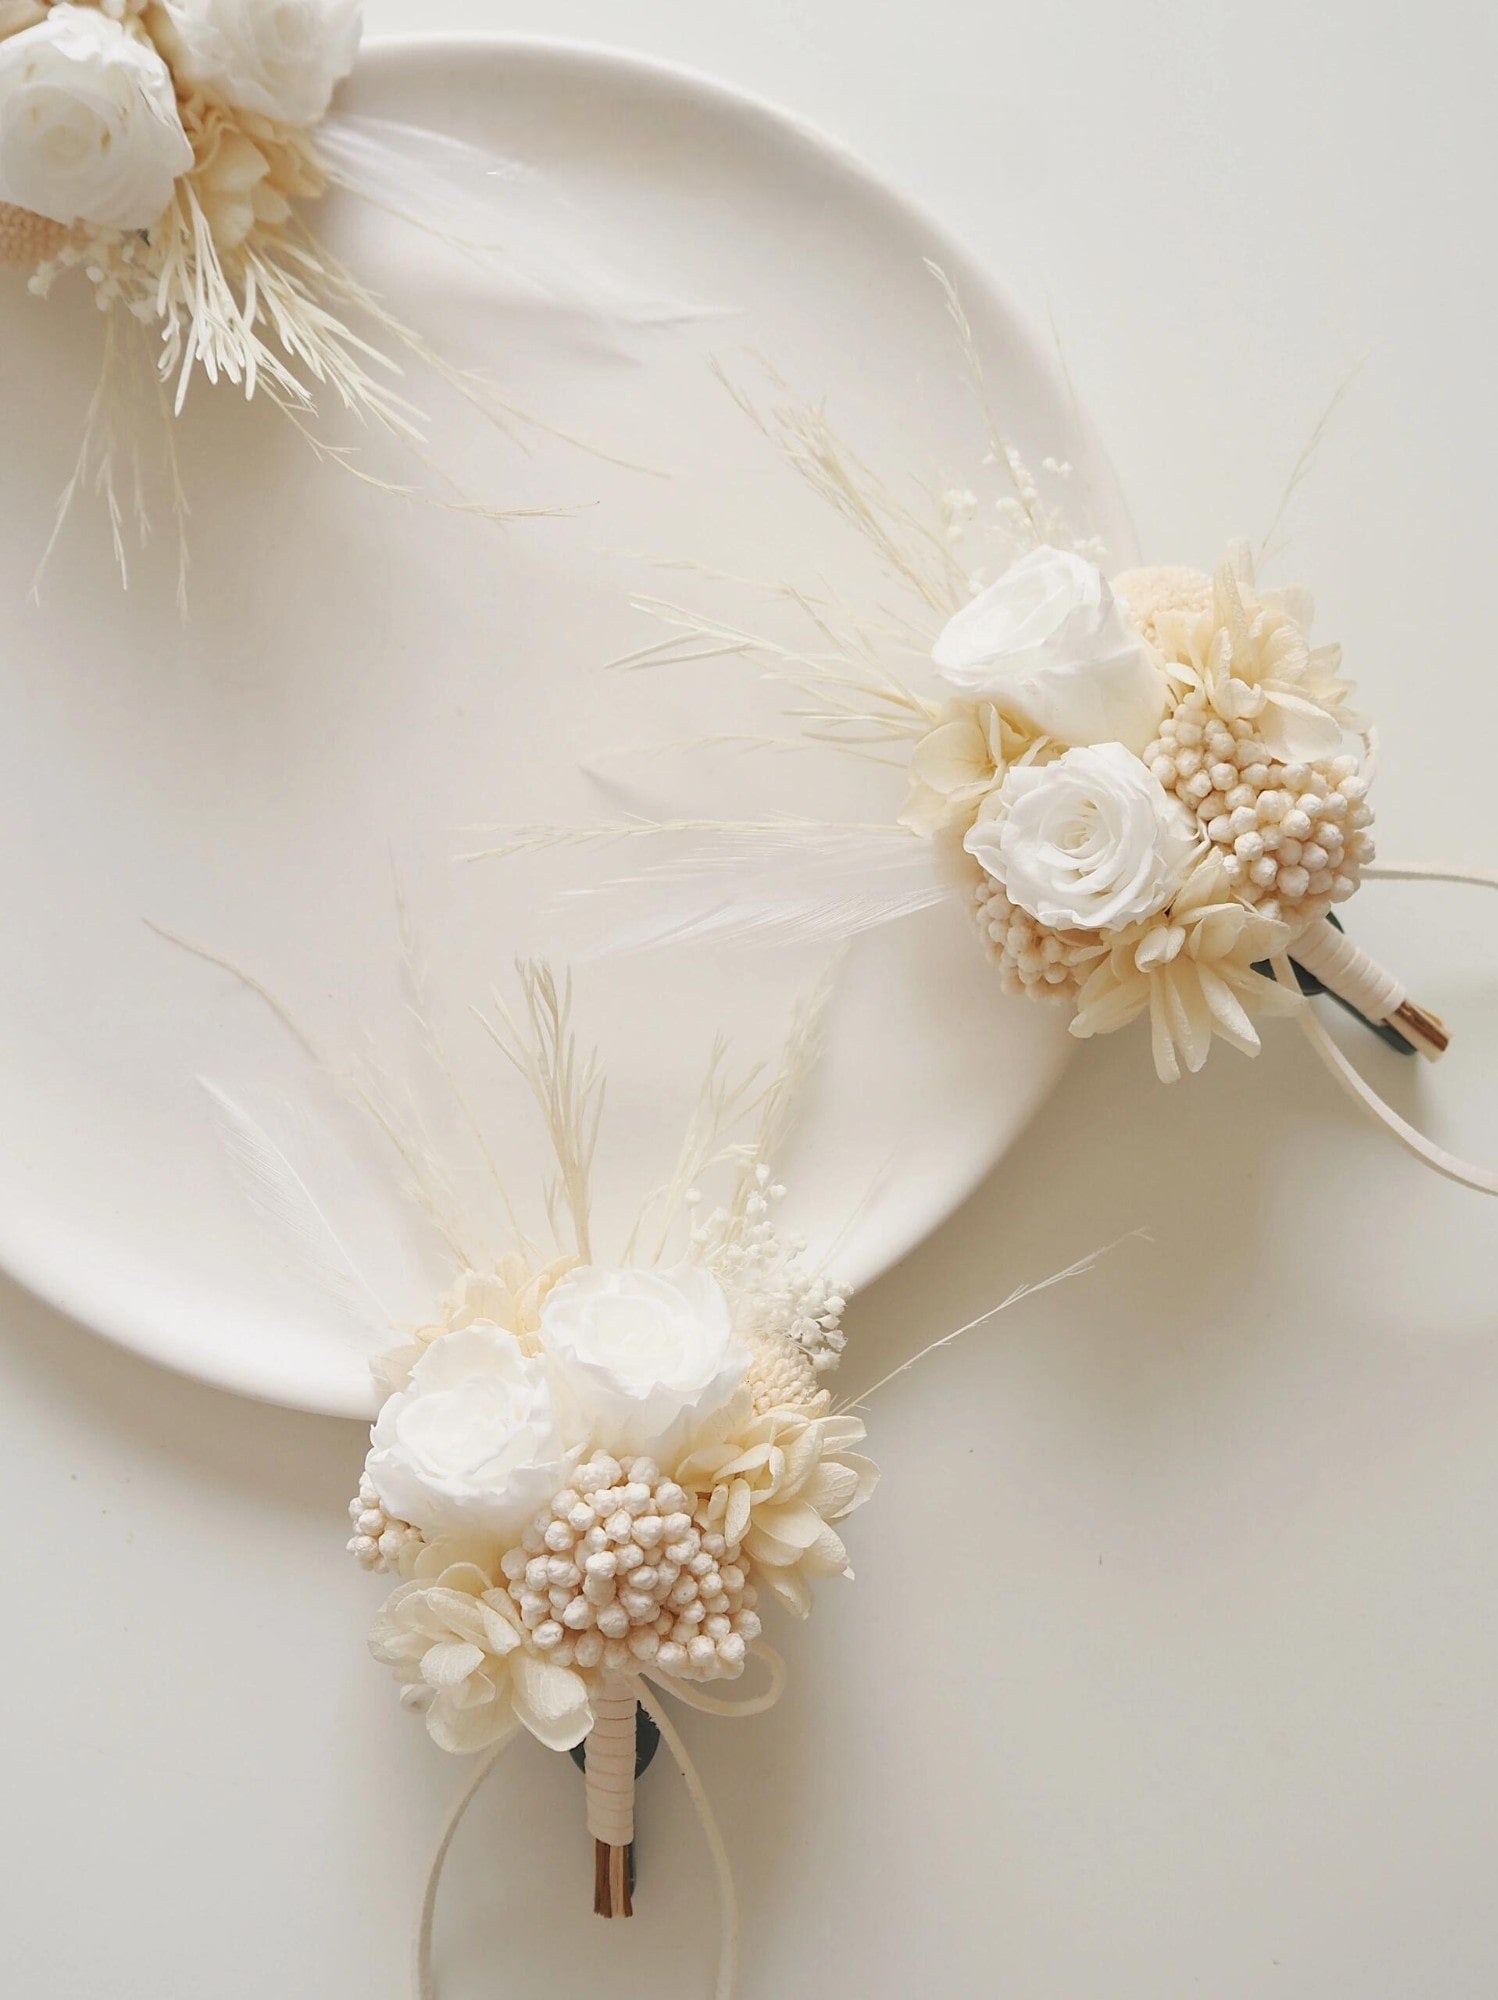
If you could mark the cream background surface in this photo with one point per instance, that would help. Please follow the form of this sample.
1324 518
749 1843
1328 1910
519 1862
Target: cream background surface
1169 1669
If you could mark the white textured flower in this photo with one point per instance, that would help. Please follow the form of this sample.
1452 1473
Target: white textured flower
282 58
509 1296
647 1356
89 126
473 1441
1090 842
455 1640
1054 650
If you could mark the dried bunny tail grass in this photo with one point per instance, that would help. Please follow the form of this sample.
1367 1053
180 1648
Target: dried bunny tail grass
1021 1292
859 700
274 311
779 1102
1000 450
724 1102
568 1090
759 1104
1300 471
911 549
275 319
110 458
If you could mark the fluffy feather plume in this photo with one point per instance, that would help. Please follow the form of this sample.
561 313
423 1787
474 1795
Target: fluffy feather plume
786 882
276 1190
476 200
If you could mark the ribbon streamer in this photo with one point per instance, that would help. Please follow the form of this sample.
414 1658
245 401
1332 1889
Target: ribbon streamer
1484 1180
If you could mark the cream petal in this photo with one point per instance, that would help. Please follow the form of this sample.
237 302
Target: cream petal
1162 1039
925 812
952 755
867 1474
737 1512
827 1555
1160 944
791 1588
832 1489
443 1612
467 1577
464 1730
1217 934
768 1550
501 1633
1191 1018
801 1455
1229 1016
1111 1005
791 1521
703 1469
1296 730
551 1701
450 1662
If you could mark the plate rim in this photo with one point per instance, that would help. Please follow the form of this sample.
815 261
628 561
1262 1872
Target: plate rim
135 1332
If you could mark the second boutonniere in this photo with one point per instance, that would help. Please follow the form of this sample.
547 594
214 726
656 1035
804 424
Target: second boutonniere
1148 788
603 1464
1152 789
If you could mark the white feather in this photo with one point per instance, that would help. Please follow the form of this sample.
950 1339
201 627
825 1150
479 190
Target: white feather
486 202
276 1190
781 883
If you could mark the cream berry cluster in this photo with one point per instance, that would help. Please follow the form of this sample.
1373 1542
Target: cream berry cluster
617 1573
1294 837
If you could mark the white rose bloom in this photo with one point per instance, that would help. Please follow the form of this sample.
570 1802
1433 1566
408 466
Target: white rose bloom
1052 647
89 127
646 1355
1091 842
472 1443
282 58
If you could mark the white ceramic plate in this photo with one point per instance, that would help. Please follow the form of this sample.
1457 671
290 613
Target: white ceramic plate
362 677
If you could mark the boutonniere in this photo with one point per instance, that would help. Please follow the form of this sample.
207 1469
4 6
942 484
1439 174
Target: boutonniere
168 155
604 1465
1148 788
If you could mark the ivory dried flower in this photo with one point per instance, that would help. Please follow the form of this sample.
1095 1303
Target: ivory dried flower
454 1638
778 1488
1193 970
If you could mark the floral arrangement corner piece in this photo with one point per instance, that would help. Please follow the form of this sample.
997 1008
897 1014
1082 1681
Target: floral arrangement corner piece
164 152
